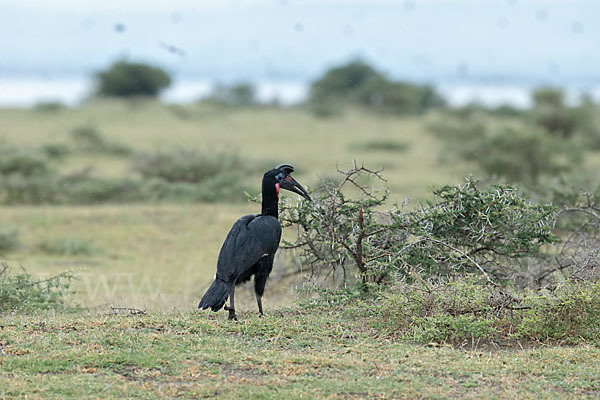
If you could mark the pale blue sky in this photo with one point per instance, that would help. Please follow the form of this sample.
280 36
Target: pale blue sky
530 41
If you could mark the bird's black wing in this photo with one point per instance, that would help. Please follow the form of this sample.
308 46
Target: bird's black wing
251 238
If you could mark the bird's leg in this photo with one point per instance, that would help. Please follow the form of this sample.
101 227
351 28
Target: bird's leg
231 307
259 302
260 279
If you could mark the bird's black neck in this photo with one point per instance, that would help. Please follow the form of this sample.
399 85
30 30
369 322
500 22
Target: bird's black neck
269 200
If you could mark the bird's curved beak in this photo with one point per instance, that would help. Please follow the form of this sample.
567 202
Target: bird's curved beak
289 183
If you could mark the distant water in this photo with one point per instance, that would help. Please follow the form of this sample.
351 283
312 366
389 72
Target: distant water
26 92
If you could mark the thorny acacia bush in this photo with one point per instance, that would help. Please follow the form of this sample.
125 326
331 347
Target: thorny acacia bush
465 229
471 264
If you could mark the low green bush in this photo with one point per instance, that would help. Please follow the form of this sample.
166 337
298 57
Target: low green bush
515 154
185 165
49 107
88 138
31 176
68 247
241 94
85 189
466 308
23 293
381 145
9 239
56 151
22 161
20 189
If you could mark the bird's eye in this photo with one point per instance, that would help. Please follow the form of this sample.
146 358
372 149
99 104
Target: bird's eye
279 177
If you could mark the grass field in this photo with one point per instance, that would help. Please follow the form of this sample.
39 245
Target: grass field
161 257
287 354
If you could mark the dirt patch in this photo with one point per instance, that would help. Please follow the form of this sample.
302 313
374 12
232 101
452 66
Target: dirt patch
132 373
241 371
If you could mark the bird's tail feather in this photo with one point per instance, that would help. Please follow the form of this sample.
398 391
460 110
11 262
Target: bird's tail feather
216 296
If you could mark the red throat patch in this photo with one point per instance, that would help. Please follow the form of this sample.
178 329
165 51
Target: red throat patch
277 190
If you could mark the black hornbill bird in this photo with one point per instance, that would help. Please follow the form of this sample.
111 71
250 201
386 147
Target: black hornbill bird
250 246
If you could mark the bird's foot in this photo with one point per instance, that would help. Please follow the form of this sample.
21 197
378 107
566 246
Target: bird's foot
232 315
260 315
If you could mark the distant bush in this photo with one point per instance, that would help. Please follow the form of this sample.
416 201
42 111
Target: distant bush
27 176
88 138
22 292
340 84
49 106
240 94
126 79
551 113
381 145
9 239
507 111
398 97
514 153
475 109
359 84
68 247
185 165
55 150
25 162
85 189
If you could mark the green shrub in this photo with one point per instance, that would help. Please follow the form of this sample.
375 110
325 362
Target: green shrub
516 154
398 97
381 145
56 151
525 155
87 138
26 176
467 308
359 84
49 107
84 189
506 111
22 292
551 113
68 247
36 189
343 82
126 79
185 165
9 239
240 94
568 311
22 161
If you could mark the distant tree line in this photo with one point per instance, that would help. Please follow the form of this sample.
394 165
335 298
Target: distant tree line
355 84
